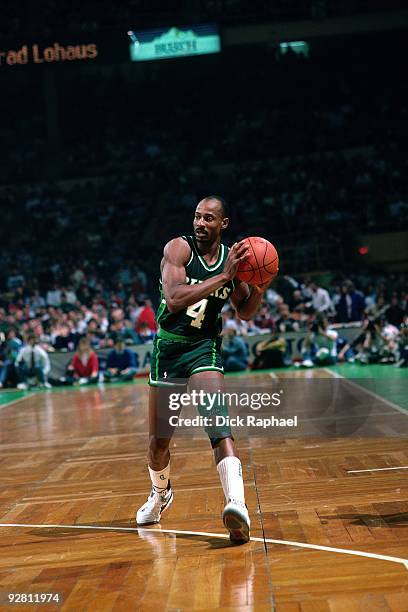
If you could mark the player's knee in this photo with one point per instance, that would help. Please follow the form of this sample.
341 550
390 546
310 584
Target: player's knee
158 447
217 442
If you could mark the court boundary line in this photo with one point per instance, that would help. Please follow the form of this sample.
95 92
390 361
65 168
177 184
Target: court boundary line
33 501
402 467
19 399
346 551
370 393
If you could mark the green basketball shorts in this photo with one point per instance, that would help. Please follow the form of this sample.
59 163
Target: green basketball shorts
174 357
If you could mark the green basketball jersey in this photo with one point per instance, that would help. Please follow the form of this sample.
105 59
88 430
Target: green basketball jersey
203 319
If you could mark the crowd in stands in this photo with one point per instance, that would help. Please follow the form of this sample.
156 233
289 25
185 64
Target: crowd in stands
84 316
109 164
319 150
267 107
325 199
378 309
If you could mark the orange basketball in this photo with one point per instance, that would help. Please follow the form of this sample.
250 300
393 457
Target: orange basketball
261 264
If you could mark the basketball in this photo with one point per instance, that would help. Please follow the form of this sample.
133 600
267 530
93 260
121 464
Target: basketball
261 264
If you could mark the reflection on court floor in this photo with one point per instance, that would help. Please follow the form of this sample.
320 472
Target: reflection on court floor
77 458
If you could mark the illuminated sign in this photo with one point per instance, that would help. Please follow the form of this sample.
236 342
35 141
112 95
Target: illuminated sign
300 47
37 54
175 42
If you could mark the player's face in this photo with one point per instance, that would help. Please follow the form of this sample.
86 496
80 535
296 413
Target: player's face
209 221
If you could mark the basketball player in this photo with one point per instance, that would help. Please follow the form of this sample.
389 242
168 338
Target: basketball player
197 278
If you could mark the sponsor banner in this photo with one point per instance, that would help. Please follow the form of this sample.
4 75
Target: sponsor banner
174 42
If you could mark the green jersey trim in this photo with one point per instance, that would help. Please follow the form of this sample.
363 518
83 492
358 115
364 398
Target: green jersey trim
203 262
162 383
214 353
157 359
192 253
160 310
207 369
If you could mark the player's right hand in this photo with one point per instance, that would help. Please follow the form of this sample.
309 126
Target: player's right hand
237 253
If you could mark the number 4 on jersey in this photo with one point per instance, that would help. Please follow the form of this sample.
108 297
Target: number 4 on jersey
197 312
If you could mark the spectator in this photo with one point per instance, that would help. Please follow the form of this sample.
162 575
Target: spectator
320 344
263 318
367 347
70 295
321 301
95 334
8 355
377 308
270 353
394 313
37 301
84 366
296 301
402 360
134 309
124 328
32 364
121 364
64 339
234 350
285 322
145 333
351 304
389 334
355 347
54 296
64 305
147 315
78 277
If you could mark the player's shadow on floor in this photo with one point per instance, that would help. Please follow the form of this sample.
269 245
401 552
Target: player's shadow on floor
373 520
66 532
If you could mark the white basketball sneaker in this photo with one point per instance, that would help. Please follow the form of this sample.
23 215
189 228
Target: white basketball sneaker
236 520
156 504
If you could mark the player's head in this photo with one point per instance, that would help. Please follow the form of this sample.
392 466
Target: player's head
210 218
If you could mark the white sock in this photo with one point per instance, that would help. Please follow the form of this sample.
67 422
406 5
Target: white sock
230 471
160 479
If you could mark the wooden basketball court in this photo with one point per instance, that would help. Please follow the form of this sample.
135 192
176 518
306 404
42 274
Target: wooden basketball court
329 516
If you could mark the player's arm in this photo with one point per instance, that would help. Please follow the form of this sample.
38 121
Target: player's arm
246 301
178 294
